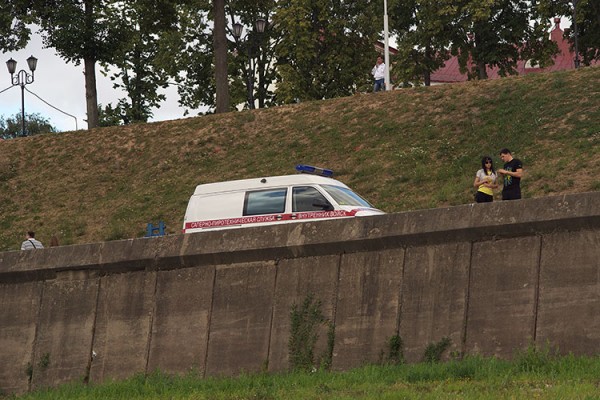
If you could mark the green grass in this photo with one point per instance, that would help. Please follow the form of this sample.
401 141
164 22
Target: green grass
403 150
532 375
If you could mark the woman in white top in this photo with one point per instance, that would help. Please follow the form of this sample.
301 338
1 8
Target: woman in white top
485 181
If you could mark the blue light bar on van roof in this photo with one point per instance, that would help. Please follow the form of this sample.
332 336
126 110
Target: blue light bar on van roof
309 169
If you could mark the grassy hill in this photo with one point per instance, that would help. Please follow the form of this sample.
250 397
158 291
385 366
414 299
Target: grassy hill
403 150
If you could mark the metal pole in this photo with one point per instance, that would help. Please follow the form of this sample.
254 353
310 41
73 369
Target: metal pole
22 109
576 61
250 78
386 47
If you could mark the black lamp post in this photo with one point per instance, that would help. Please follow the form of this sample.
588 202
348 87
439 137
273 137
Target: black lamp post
576 60
22 78
251 42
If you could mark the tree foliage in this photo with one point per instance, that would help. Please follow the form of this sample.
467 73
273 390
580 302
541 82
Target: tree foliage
11 127
187 55
481 33
588 21
194 68
423 29
138 65
498 33
326 48
110 116
88 31
253 49
13 25
311 49
588 24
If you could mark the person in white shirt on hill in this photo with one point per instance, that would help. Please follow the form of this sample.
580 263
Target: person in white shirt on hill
378 73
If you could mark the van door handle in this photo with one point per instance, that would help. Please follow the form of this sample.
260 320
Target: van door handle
293 216
279 217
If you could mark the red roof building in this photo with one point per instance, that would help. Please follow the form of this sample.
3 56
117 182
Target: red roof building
380 48
563 60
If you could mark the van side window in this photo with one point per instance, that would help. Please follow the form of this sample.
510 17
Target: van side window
271 201
307 198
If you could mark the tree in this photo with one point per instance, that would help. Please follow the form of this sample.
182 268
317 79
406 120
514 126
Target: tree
423 30
588 24
35 124
220 48
187 55
109 116
193 69
326 48
498 33
140 65
87 31
261 48
13 25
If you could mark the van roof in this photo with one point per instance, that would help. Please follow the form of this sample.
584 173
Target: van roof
269 182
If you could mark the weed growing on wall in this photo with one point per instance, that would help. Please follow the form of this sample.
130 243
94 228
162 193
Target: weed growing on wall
327 358
43 364
44 361
29 371
305 322
434 351
395 350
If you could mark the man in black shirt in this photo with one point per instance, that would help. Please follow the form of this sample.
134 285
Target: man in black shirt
512 172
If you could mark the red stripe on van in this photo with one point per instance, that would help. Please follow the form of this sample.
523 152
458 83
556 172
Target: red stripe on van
216 223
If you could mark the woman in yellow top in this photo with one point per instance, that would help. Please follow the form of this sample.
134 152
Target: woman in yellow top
485 181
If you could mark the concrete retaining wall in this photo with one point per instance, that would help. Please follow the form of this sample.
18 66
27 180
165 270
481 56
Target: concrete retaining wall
491 277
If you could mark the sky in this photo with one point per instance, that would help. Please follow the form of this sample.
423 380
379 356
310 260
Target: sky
62 85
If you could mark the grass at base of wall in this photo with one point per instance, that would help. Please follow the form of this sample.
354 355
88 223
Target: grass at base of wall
528 376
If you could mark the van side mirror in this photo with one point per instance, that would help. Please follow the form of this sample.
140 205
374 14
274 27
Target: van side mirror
325 206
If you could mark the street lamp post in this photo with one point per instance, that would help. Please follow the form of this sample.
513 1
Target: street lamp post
22 78
251 42
386 47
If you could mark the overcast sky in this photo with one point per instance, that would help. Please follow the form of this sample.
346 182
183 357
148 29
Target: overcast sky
62 85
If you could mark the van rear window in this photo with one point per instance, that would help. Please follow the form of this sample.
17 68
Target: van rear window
271 201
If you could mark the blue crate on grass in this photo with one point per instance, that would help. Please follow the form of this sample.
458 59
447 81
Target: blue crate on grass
155 230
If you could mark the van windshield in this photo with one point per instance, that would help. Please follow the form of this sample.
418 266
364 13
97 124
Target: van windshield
345 197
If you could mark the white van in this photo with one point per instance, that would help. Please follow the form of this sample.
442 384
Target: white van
273 200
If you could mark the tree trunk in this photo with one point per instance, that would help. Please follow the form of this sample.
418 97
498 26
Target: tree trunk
427 73
427 78
91 96
220 48
481 67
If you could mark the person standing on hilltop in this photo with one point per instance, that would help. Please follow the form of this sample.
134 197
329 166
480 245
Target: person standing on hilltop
378 73
512 172
30 242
